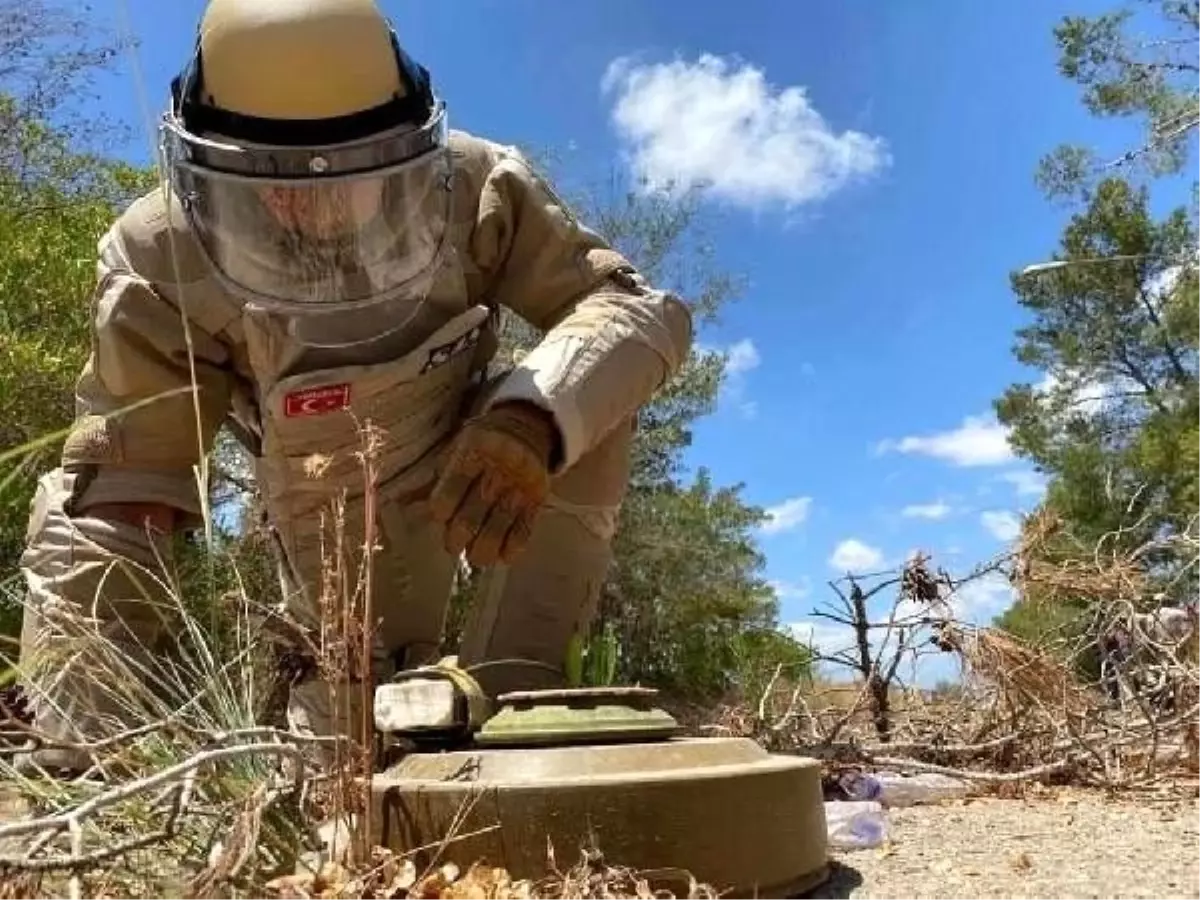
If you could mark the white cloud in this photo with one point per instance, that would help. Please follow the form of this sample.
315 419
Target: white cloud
1074 394
978 441
719 123
1003 525
852 555
825 636
1027 483
792 590
787 515
937 510
982 598
741 358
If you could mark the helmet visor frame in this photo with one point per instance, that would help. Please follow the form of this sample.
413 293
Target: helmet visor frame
322 227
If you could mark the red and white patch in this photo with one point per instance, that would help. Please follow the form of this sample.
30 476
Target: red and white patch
316 401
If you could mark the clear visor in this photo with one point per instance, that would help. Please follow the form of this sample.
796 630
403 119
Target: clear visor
327 240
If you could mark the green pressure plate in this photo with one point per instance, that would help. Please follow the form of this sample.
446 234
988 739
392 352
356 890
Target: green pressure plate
577 716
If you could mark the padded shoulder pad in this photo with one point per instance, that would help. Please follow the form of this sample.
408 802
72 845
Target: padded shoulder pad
473 156
157 246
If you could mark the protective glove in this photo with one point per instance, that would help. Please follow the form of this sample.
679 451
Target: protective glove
494 482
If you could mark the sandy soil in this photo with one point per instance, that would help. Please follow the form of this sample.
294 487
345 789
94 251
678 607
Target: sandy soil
1071 844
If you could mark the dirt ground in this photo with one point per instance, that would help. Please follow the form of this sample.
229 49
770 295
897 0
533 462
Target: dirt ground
1066 844
1070 844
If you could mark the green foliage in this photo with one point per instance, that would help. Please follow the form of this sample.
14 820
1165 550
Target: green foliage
1042 624
1102 317
1117 427
1063 629
1114 329
57 197
48 236
759 653
687 595
1127 71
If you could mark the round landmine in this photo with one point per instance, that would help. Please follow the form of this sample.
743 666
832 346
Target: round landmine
747 822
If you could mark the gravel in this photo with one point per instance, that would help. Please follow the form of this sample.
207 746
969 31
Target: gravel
1069 844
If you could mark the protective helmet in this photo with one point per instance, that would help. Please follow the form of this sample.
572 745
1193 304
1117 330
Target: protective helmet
309 154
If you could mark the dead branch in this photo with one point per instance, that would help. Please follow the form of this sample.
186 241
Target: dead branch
1033 774
127 790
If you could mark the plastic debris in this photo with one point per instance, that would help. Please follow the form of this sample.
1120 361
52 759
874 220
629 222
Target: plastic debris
909 790
860 786
855 824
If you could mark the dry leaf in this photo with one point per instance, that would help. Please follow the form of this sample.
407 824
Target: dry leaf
401 877
438 884
291 886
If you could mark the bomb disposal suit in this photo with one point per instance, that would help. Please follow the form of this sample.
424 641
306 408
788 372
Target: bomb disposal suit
329 253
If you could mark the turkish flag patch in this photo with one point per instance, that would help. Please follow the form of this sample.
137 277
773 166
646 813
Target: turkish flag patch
316 401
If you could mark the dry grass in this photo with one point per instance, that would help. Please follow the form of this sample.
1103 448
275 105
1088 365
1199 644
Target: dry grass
191 793
1022 674
1091 572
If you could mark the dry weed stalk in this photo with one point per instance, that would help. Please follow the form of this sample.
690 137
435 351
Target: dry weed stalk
345 651
174 798
1084 572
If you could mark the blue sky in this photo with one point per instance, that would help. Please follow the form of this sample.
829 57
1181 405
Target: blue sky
876 194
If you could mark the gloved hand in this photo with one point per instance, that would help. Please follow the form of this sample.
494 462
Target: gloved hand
494 482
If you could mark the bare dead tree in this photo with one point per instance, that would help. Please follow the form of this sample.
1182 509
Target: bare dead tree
920 608
877 663
50 53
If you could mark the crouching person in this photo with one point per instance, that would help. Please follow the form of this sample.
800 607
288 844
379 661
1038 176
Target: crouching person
328 252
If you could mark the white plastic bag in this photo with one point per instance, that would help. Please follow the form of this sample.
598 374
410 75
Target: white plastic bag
908 790
855 824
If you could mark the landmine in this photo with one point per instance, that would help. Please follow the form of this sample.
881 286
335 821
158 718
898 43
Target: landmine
593 768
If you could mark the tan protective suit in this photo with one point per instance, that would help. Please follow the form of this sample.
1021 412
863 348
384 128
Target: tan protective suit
610 341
